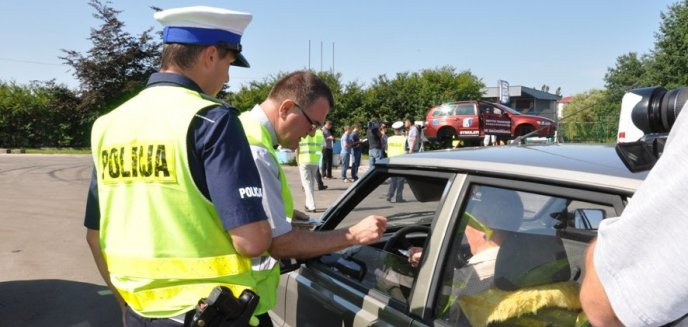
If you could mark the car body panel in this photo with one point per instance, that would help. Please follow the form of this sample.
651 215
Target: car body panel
336 289
475 119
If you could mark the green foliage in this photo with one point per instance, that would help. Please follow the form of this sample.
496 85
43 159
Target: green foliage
412 94
590 117
118 64
252 94
625 76
40 114
666 65
669 64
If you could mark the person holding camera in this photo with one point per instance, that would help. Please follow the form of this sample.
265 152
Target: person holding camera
636 272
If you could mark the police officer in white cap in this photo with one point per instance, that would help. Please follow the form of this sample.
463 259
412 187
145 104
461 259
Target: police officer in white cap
175 204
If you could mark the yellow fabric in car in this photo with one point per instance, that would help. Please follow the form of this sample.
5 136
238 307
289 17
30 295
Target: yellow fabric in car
494 305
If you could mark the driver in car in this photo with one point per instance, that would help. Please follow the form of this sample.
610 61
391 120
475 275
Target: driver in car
490 215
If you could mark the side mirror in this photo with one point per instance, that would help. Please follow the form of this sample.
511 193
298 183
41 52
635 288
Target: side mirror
588 218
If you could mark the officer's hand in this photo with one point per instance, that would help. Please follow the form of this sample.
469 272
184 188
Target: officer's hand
368 230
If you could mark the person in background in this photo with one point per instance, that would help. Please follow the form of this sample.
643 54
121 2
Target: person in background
395 147
356 150
345 153
164 235
383 139
375 147
308 156
295 107
326 170
412 135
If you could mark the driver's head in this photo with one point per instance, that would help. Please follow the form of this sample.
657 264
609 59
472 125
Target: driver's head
493 211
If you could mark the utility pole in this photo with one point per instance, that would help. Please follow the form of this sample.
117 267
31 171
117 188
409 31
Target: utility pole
332 58
321 56
309 54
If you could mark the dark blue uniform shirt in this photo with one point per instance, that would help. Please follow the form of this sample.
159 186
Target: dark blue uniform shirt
220 161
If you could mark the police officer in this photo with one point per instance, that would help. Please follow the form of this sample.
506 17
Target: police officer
396 146
308 157
295 106
175 205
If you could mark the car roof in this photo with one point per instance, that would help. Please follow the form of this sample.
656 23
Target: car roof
595 166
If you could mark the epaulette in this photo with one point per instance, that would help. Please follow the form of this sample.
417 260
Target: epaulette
221 103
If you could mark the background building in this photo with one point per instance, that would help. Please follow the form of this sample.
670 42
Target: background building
527 100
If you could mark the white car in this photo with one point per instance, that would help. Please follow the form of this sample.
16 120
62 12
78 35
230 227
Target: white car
551 200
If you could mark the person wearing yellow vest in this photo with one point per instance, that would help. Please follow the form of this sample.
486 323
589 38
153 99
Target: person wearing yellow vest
396 146
308 156
175 204
295 106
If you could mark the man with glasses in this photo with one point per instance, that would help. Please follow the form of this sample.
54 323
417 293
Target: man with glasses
295 106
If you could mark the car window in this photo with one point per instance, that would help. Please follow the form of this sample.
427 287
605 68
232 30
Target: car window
465 109
511 253
443 110
387 271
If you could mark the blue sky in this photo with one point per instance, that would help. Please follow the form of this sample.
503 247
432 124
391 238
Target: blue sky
567 44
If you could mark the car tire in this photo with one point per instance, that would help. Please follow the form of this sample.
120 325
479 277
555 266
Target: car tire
445 136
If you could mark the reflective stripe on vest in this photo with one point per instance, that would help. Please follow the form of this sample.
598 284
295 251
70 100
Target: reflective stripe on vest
162 240
266 271
395 145
187 268
310 148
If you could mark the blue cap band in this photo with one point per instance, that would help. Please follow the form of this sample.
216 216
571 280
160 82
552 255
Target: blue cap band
201 36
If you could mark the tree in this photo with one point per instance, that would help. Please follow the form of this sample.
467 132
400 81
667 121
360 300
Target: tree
117 66
39 114
412 94
589 118
628 74
669 65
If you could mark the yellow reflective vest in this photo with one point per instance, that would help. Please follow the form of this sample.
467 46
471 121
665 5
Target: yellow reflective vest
310 148
266 270
163 242
396 145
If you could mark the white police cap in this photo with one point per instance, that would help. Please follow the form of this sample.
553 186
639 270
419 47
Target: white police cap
398 125
205 26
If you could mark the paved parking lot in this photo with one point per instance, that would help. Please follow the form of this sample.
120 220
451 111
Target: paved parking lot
47 275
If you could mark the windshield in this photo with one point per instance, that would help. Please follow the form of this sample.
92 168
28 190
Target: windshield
508 109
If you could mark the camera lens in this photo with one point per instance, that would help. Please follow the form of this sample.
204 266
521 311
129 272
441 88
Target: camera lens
658 108
672 103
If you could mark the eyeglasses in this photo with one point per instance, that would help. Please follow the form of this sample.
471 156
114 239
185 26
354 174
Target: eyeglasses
314 123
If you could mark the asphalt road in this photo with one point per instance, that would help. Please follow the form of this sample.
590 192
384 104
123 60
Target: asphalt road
47 275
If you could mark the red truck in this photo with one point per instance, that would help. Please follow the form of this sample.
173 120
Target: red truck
472 120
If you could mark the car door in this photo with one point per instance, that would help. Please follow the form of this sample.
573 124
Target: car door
366 285
495 121
541 247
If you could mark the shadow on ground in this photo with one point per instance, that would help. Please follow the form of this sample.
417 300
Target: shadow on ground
59 303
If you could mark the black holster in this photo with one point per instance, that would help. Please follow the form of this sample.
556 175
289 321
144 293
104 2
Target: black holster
223 309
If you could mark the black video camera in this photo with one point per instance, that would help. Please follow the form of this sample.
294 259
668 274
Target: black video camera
223 309
653 111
